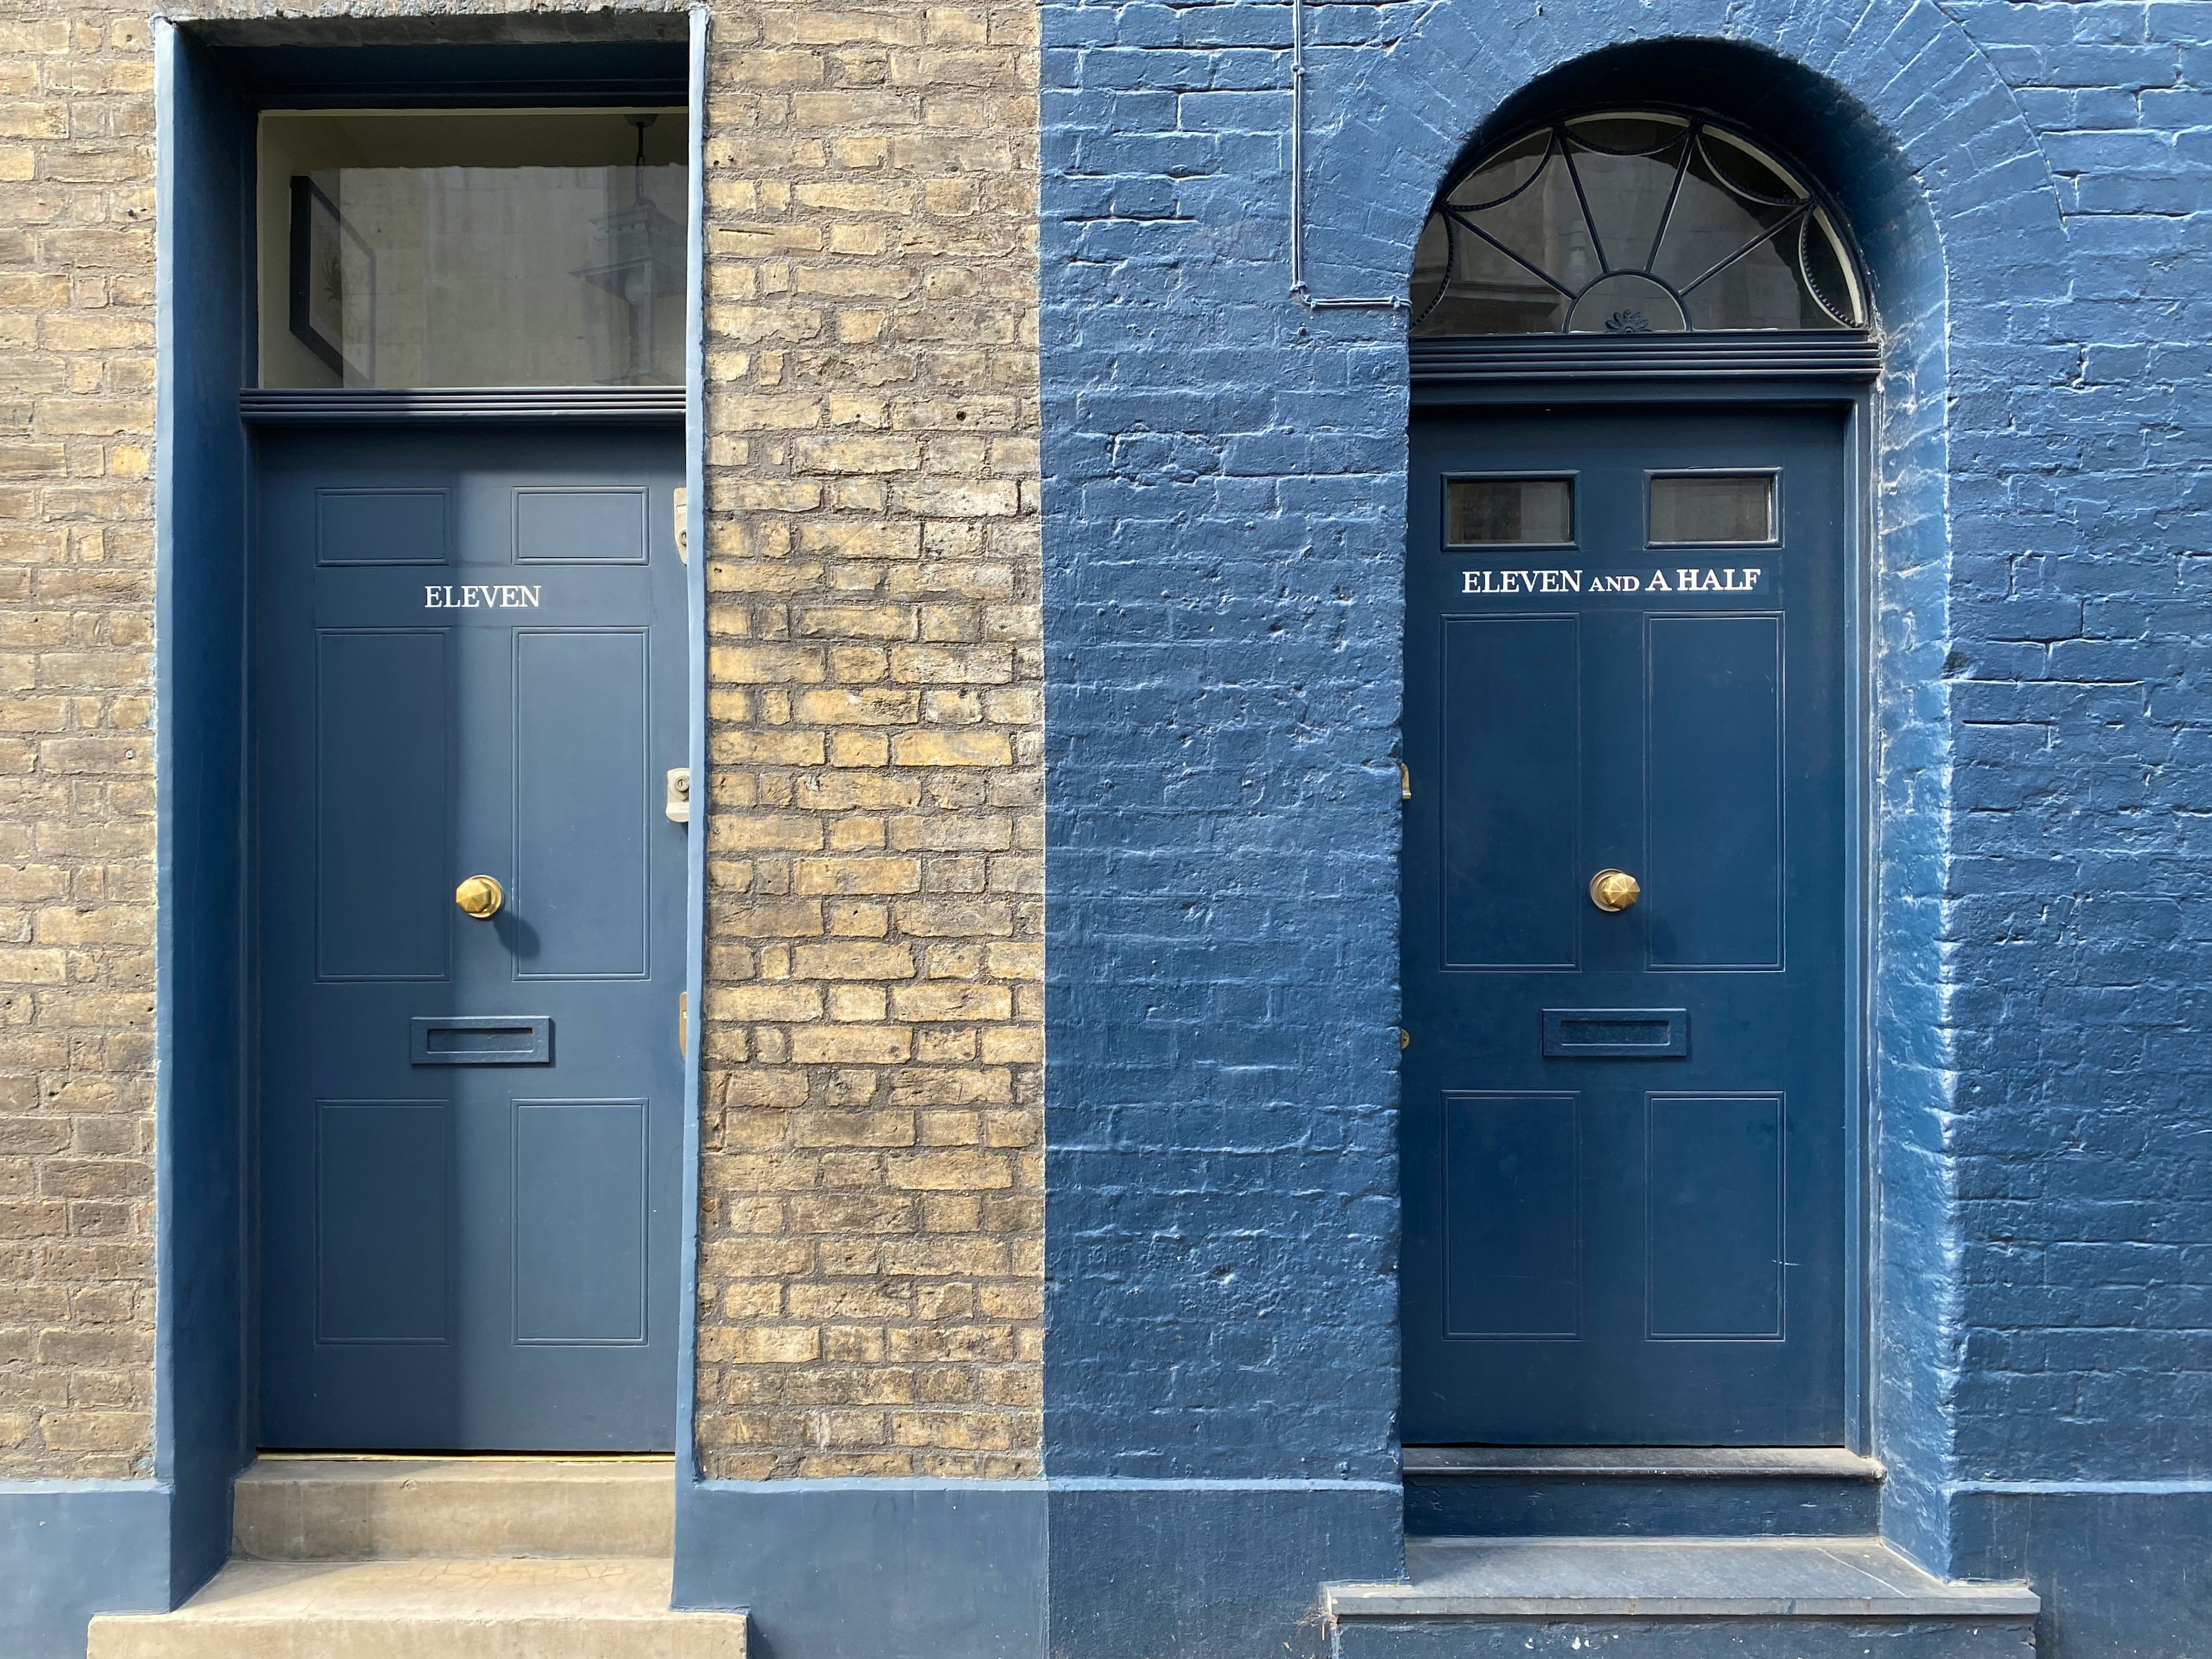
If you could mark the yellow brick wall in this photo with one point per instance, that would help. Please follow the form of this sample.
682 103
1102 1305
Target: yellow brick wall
871 1250
76 789
872 1034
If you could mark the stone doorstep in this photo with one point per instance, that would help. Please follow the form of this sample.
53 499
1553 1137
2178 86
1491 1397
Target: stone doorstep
1640 1492
1854 1578
333 1509
505 1609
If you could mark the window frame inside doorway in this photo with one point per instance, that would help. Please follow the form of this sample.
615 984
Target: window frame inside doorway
1448 375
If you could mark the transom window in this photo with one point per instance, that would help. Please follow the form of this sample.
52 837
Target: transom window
1631 221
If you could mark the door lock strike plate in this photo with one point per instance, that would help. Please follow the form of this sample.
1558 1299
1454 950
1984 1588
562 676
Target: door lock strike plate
678 804
683 525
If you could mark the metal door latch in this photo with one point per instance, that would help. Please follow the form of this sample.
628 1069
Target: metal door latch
683 525
678 804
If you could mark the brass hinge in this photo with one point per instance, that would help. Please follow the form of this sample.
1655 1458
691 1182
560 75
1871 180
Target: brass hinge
683 525
1405 782
683 1022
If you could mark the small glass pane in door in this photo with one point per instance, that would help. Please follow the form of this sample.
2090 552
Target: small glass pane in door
1712 509
1510 511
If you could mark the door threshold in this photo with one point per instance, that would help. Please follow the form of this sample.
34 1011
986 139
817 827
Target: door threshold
463 1457
1647 1462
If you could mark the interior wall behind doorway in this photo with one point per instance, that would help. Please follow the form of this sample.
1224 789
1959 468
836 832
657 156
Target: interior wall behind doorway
494 219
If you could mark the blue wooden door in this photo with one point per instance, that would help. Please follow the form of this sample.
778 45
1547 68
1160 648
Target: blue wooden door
1624 1126
468 662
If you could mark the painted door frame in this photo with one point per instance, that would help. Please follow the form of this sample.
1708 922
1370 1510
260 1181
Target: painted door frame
1499 384
209 90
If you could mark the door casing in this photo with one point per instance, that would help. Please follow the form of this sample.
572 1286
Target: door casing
208 90
1499 385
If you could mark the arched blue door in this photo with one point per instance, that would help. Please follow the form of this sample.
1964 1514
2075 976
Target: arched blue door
1626 911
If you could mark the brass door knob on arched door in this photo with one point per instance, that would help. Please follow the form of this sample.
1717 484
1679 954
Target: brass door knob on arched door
480 897
1613 891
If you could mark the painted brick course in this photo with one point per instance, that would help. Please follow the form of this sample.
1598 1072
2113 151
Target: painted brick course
872 1033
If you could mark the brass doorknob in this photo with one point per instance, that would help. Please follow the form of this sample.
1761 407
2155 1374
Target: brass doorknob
481 897
1614 889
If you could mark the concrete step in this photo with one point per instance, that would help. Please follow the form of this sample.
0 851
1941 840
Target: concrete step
1640 1492
1674 1598
514 1609
339 1509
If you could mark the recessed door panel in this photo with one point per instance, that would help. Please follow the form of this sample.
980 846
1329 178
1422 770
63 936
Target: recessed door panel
580 803
1715 714
381 526
1513 1181
384 1174
1624 1129
1716 1202
580 527
469 921
580 1203
1510 707
382 707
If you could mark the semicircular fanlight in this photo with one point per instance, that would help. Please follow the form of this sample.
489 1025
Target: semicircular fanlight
1631 221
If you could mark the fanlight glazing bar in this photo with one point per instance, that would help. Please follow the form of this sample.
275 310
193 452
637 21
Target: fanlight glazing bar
1561 229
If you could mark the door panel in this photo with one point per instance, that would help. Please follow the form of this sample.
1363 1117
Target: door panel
1716 1224
1715 714
470 644
581 1205
580 527
1625 1133
580 802
381 526
1513 1214
381 715
1512 691
383 1247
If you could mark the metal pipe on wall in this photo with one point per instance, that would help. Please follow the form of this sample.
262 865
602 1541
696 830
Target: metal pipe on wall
1299 289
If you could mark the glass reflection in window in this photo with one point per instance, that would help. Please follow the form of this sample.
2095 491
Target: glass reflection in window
1510 511
1637 221
1711 509
437 252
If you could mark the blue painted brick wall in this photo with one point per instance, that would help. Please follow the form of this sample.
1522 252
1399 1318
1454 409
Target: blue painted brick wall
1224 497
1224 642
2085 1164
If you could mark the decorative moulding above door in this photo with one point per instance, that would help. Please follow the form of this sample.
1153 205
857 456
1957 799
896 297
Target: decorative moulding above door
1830 355
652 405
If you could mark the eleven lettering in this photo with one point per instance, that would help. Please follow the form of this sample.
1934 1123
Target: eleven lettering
473 597
1570 581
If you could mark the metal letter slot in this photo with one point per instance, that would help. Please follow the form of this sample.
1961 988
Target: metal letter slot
482 1040
1616 1033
